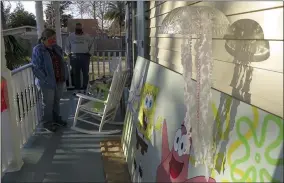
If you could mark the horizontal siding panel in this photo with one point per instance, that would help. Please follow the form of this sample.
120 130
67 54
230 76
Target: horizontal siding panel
266 87
176 68
157 21
227 8
166 55
154 4
273 63
268 98
261 84
271 22
230 8
169 6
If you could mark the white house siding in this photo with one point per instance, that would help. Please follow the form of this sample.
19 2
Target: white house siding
266 87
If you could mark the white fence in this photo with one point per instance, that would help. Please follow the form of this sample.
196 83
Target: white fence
101 64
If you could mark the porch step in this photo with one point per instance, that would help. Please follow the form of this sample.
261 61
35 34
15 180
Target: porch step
115 166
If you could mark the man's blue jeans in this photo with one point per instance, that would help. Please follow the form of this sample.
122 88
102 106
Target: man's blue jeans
51 103
80 62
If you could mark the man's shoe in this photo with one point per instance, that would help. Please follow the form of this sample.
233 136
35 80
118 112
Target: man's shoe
60 123
47 128
75 92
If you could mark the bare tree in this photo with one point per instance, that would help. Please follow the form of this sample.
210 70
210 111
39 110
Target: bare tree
102 8
81 7
93 9
5 13
50 13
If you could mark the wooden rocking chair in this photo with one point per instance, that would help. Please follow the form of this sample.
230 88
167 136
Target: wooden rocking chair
103 110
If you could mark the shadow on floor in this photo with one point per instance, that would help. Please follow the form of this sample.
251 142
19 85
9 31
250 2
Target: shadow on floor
113 156
66 156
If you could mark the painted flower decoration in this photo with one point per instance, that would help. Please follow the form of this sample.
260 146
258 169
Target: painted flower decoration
254 156
221 177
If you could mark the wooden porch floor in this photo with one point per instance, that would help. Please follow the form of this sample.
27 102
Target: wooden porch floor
66 156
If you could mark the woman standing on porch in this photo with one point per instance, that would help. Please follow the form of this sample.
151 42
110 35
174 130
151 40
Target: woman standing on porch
49 69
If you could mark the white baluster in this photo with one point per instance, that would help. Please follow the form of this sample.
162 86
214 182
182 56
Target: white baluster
39 103
109 64
98 61
93 72
114 60
17 109
29 115
26 101
69 73
33 109
104 68
20 104
23 85
34 98
30 100
120 60
125 61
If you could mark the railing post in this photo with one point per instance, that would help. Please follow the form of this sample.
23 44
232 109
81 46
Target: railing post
16 162
39 17
56 6
70 85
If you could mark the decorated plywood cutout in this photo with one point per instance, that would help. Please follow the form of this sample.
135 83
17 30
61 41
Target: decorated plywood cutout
146 123
248 142
254 155
174 165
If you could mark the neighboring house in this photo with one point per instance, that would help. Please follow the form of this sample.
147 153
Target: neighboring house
247 97
28 35
90 26
24 30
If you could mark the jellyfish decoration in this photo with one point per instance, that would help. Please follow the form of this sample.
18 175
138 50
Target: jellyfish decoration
245 42
199 23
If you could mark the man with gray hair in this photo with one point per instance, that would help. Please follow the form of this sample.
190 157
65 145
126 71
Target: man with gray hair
80 48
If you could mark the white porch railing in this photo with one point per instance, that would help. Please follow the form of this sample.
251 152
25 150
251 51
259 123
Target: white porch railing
101 63
27 102
25 108
27 99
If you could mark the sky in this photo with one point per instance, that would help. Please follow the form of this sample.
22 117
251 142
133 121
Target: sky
28 6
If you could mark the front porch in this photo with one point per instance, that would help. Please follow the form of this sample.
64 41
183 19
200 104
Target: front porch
246 112
66 156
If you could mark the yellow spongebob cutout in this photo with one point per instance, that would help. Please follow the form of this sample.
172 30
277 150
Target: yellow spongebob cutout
147 111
